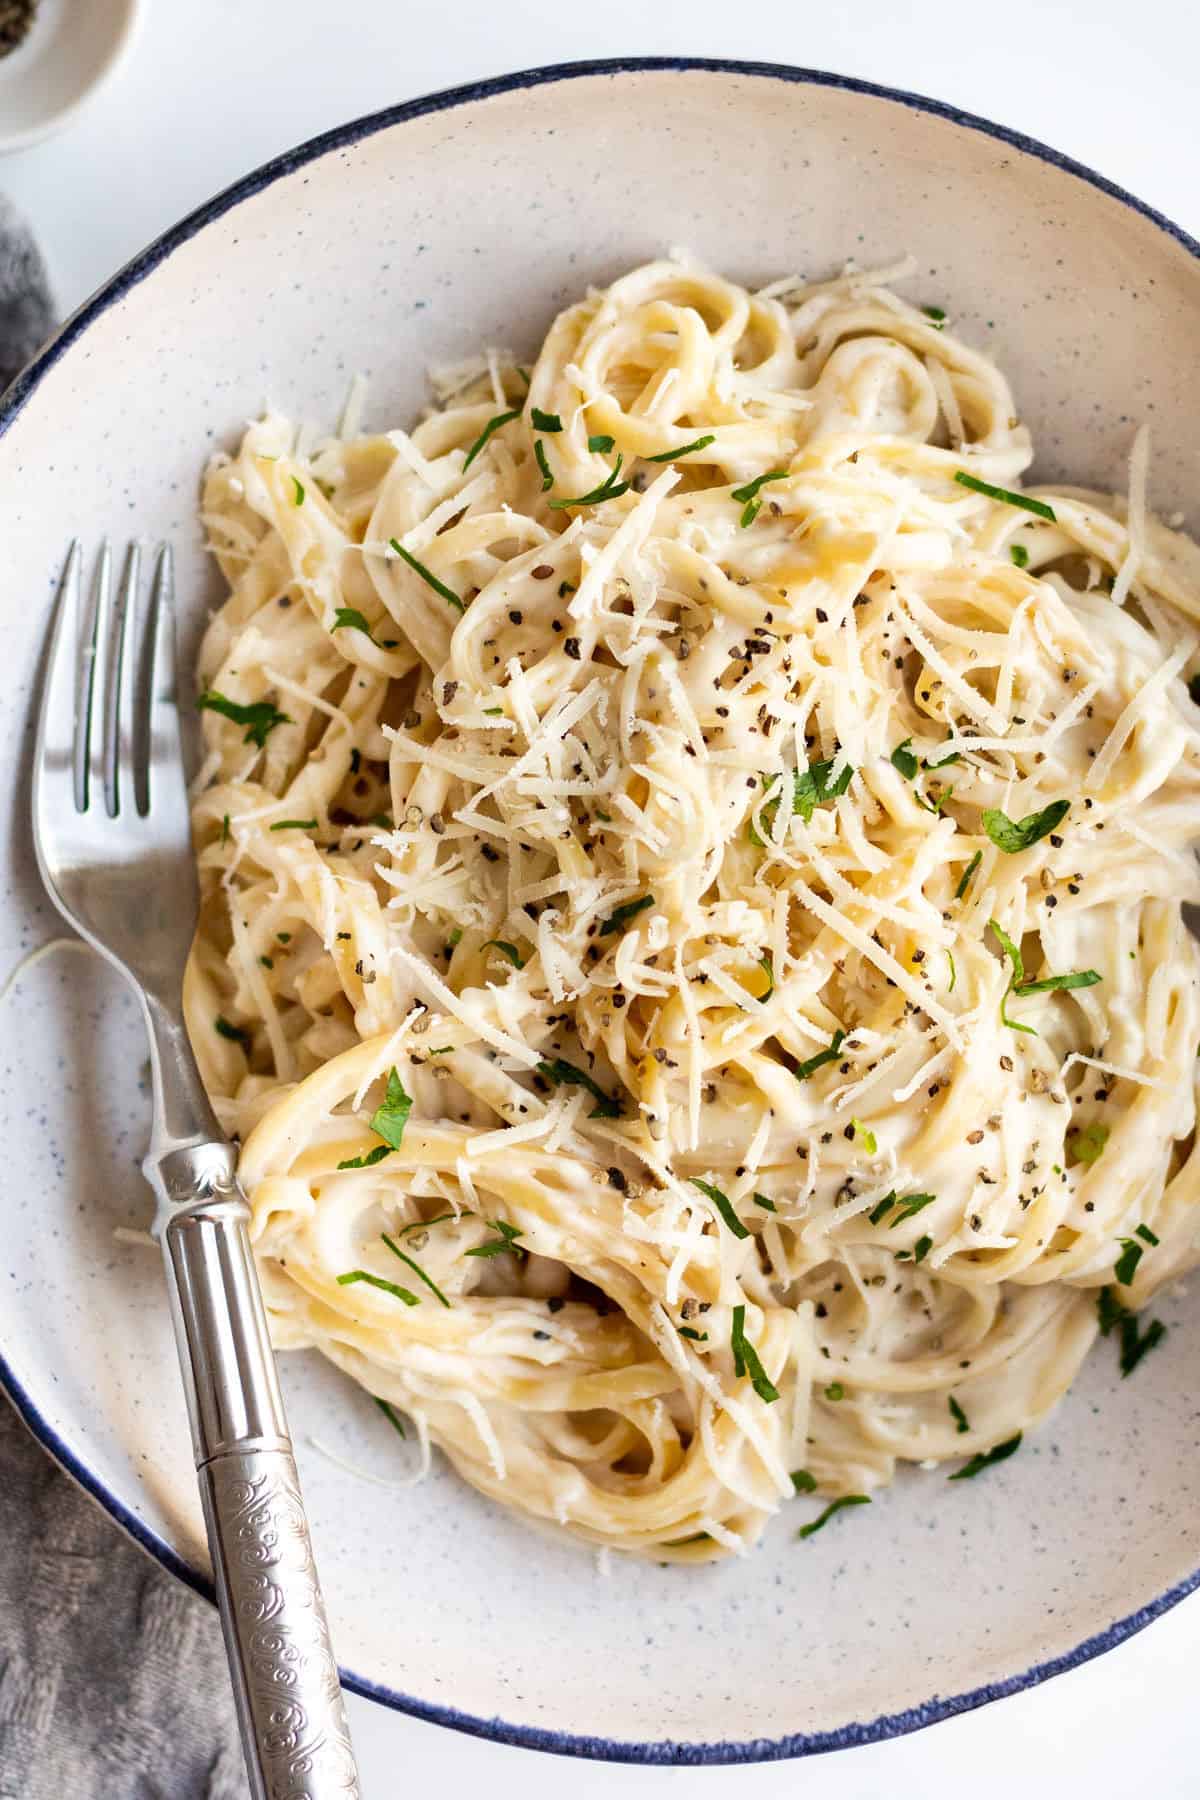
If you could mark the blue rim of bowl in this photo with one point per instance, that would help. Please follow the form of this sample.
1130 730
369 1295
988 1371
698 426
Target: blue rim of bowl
533 1737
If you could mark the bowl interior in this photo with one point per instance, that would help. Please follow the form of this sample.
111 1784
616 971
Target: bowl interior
472 219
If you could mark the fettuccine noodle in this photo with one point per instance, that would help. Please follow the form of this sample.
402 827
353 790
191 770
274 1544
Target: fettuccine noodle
692 938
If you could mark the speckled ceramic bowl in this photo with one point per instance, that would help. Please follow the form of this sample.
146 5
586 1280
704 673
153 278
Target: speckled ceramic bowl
415 236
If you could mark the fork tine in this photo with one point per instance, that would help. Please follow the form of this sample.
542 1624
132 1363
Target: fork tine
158 714
89 759
54 761
118 712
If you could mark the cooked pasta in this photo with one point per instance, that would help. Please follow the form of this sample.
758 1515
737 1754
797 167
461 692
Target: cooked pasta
693 861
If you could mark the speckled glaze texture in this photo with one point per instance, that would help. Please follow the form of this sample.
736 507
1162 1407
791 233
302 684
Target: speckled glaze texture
413 237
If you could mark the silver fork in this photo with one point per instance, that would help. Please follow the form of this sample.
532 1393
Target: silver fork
110 823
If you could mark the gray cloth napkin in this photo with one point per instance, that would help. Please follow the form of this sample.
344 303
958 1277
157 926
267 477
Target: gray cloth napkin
113 1683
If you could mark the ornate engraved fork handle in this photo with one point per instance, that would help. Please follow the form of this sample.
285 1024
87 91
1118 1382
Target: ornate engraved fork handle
288 1697
285 1676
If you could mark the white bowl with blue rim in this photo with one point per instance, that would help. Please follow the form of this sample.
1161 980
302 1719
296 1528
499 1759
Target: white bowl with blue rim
409 238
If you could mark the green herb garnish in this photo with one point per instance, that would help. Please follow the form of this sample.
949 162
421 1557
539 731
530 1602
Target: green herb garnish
751 495
903 759
953 972
348 618
539 452
416 1268
907 1207
293 825
984 1459
259 717
835 1506
918 1253
700 443
492 425
1125 1267
699 1337
235 1033
297 492
1010 499
1020 555
427 576
225 829
745 1359
835 1391
565 1074
377 1281
1016 975
388 1122
601 444
803 1482
369 1159
391 1415
761 1200
1011 835
865 1138
811 787
609 489
768 969
723 1205
803 1070
965 881
1145 1233
509 950
961 1422
544 421
936 315
620 917
500 1246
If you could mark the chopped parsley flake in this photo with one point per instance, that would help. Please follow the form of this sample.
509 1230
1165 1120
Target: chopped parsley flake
539 451
985 1459
866 1138
235 1033
803 1482
698 1337
751 495
811 787
902 758
297 492
1125 1267
348 618
803 1070
723 1205
416 1268
492 425
961 1422
259 717
1011 835
745 1359
1007 496
620 917
601 444
907 1207
609 489
700 443
427 576
968 872
388 1122
509 950
1086 1145
293 825
565 1074
834 1507
377 1281
544 421
391 1415
1020 555
501 1245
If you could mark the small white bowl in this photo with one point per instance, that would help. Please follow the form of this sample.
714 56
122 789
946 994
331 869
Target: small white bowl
72 49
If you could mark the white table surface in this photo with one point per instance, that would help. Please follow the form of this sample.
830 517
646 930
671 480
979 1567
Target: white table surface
211 90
